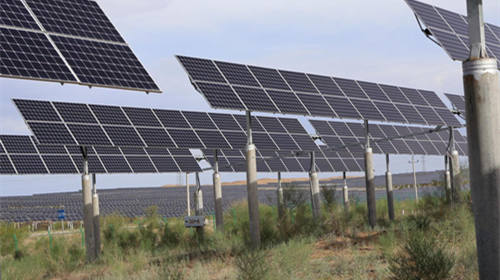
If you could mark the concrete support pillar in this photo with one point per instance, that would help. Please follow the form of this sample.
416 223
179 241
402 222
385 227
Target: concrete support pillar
316 197
447 181
482 103
96 218
370 188
371 200
345 194
456 179
88 218
281 201
252 186
390 194
219 212
188 195
198 200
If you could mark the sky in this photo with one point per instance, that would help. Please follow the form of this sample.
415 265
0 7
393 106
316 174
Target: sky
377 41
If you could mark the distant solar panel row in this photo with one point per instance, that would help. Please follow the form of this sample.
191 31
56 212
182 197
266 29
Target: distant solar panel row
458 101
451 30
342 133
93 52
21 155
75 124
326 161
251 88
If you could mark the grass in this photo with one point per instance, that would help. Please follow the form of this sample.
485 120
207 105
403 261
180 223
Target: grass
431 240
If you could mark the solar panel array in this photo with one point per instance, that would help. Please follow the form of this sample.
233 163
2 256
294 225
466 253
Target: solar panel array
336 134
251 88
326 161
458 101
75 124
451 30
21 155
68 41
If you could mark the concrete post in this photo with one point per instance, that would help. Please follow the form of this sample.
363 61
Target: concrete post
482 112
447 181
252 184
456 179
345 194
415 186
96 217
370 181
390 194
219 214
87 210
188 195
198 198
281 202
315 195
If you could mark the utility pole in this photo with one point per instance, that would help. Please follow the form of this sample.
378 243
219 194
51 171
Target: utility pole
345 193
281 202
97 225
252 184
315 196
414 176
370 180
198 197
482 103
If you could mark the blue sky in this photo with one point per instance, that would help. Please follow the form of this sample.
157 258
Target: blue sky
377 41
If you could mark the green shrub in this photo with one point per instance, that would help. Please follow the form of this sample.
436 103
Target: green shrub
421 258
252 264
328 194
173 233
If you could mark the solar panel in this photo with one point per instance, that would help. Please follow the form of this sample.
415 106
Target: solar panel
23 156
336 134
67 41
451 30
251 88
74 124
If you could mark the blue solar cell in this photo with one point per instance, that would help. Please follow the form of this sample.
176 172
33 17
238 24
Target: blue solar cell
142 117
37 110
124 136
28 164
14 13
53 133
75 112
287 102
255 99
237 74
58 164
350 88
220 96
165 164
269 78
298 81
201 69
109 114
199 120
88 135
141 164
155 137
6 166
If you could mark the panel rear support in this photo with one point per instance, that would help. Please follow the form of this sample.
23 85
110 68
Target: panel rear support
315 196
345 194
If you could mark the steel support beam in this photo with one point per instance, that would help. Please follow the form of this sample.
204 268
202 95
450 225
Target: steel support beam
447 181
188 195
252 184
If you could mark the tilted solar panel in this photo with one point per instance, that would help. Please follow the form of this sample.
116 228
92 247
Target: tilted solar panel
250 88
458 101
451 30
67 41
77 124
22 155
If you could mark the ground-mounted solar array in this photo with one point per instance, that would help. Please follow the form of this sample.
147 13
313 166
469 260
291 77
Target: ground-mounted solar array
336 134
67 41
326 161
171 202
458 102
22 155
451 30
251 88
76 124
